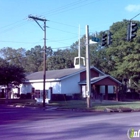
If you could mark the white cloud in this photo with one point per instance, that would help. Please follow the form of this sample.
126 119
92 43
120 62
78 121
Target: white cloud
132 8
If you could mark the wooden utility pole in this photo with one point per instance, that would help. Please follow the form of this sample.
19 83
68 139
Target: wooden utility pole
44 68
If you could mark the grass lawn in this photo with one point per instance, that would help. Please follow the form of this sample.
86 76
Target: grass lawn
77 104
96 105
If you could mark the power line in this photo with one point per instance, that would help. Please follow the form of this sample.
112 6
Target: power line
52 40
67 47
60 8
18 42
54 11
60 42
11 24
63 31
4 30
63 24
49 40
57 11
68 8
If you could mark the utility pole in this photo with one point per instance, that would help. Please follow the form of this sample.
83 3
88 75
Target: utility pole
88 91
44 68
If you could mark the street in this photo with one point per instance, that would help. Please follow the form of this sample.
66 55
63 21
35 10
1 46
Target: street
39 124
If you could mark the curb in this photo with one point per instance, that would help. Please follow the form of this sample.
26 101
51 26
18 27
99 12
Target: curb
118 110
108 110
78 110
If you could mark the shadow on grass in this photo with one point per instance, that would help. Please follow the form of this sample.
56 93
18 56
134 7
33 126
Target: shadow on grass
96 105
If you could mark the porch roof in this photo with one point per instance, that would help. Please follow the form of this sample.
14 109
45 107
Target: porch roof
100 78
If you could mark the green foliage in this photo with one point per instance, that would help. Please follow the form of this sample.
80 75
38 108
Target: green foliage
31 60
34 58
14 56
57 62
10 74
3 62
123 55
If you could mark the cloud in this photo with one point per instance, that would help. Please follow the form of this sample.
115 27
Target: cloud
132 8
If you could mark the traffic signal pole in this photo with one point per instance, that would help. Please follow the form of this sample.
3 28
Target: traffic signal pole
134 17
44 68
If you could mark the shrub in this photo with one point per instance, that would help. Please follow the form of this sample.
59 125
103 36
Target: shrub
23 96
28 96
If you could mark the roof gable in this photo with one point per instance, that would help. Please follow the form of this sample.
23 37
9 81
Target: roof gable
53 74
101 80
59 74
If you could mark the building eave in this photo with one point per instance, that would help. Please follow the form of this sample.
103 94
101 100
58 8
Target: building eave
41 81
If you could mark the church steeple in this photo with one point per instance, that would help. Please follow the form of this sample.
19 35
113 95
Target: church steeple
79 61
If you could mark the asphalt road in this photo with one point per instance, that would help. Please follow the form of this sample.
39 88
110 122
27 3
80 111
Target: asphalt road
38 124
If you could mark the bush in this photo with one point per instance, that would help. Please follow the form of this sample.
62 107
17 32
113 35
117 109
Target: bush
1 95
77 96
68 97
58 97
28 96
23 96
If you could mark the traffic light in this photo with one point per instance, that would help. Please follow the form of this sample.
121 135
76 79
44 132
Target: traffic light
109 40
104 39
131 30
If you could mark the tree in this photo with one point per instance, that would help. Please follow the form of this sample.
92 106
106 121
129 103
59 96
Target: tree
11 74
35 58
122 57
3 62
58 62
14 56
68 54
31 60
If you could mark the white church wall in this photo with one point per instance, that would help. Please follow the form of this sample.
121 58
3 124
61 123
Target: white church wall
70 85
56 87
27 88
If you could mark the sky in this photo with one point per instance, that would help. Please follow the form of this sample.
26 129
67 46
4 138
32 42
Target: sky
64 18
